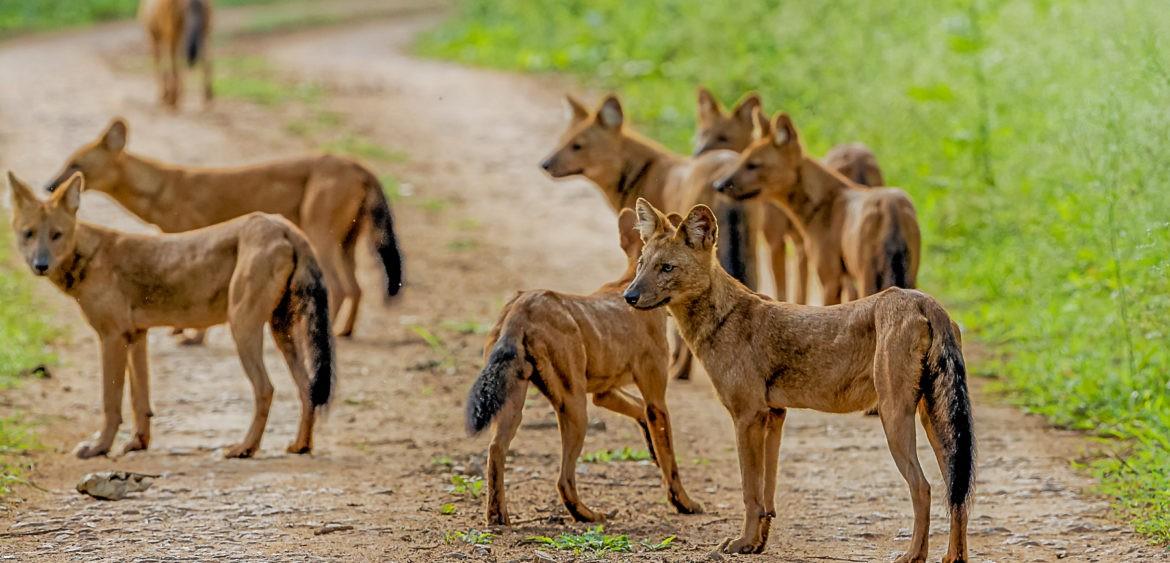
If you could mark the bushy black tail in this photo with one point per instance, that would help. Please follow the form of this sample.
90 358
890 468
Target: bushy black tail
505 365
194 29
305 307
895 269
382 234
944 387
736 245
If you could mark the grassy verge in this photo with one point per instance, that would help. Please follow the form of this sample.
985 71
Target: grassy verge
1031 134
24 337
37 15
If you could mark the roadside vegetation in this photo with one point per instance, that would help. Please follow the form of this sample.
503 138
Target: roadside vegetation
1031 134
18 16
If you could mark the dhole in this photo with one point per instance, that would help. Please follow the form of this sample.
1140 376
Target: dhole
720 129
178 30
328 197
861 240
569 347
625 166
897 350
247 272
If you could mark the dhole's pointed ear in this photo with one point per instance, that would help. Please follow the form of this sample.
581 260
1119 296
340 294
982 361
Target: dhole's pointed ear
114 139
575 110
650 220
628 228
745 110
675 219
784 130
699 230
610 115
708 105
68 196
22 195
760 126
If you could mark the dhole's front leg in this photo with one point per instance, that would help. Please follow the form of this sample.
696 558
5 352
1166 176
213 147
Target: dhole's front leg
139 394
750 431
113 376
572 420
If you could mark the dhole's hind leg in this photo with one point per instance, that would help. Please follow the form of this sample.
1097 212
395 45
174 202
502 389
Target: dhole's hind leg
139 394
506 424
282 334
573 420
957 548
898 422
250 345
623 404
349 285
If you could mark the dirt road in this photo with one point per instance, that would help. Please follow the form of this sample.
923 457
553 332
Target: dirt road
480 221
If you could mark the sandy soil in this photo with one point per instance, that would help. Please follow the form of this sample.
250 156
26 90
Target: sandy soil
480 223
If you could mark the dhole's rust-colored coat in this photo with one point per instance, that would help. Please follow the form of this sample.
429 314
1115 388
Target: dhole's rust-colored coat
328 197
897 350
571 346
247 272
720 129
862 240
179 32
625 166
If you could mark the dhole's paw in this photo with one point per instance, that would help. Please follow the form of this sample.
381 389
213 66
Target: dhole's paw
498 518
137 443
691 508
240 451
295 448
582 513
908 558
86 450
741 545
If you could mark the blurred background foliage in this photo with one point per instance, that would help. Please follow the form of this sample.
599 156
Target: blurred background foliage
1032 134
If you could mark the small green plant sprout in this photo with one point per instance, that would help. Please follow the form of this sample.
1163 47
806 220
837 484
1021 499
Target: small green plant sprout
621 454
443 461
447 509
593 540
466 486
467 327
663 545
436 345
470 537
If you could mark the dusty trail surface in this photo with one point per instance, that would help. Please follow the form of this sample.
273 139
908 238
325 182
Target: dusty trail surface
479 222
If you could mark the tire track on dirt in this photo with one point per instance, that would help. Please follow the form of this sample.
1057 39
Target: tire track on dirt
473 140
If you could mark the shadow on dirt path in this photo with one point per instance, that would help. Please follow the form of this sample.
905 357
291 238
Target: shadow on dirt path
479 222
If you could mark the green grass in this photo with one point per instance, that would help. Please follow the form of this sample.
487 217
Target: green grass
595 541
24 338
253 79
36 15
621 454
1031 134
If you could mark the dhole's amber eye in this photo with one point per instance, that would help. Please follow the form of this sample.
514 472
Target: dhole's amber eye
666 268
752 166
576 146
55 235
721 138
28 234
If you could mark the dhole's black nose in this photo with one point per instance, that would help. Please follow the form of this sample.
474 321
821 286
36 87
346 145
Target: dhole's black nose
547 164
41 267
631 296
723 184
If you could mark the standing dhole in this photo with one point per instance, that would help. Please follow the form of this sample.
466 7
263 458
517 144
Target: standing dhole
898 350
178 32
328 197
626 166
247 272
862 240
569 347
720 129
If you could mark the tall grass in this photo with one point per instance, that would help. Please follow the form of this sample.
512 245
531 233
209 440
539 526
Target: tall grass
35 15
1034 136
